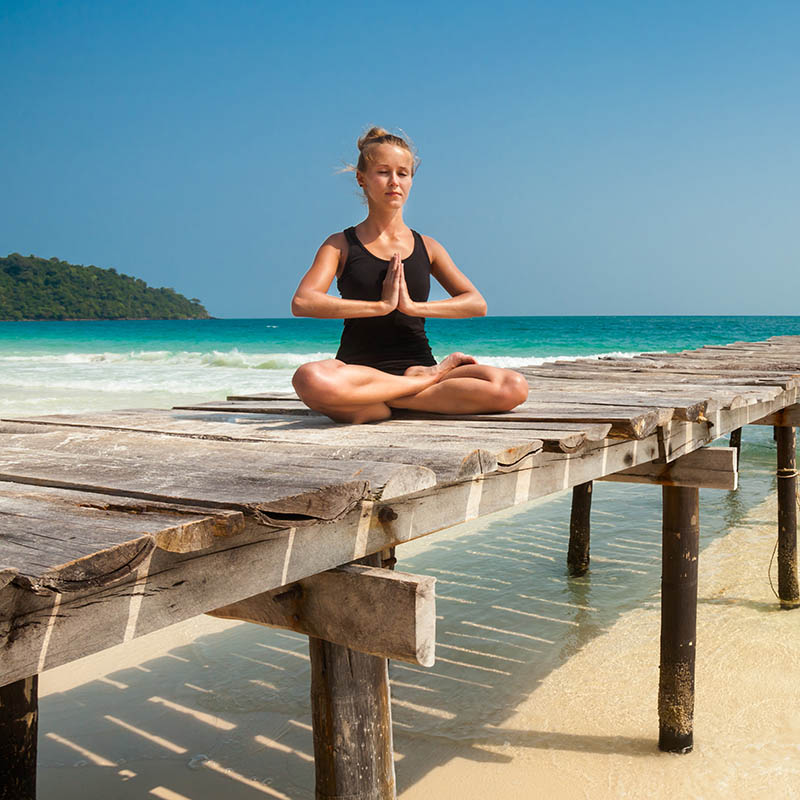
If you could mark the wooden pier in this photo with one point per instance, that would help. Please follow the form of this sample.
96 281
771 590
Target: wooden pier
113 525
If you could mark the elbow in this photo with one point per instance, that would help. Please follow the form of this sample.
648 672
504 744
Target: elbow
480 307
299 307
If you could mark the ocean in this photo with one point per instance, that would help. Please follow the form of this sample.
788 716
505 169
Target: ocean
510 617
73 366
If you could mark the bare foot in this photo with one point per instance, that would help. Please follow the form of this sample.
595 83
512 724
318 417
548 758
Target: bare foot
443 367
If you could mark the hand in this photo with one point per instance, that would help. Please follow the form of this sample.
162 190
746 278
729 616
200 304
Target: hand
390 295
404 301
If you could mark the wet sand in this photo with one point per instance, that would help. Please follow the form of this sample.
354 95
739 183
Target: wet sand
538 689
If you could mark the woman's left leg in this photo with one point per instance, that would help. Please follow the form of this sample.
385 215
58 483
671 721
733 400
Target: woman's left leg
471 389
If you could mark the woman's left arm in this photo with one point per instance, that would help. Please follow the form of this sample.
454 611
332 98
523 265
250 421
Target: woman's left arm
465 300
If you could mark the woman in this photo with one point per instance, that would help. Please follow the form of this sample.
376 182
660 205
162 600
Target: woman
383 270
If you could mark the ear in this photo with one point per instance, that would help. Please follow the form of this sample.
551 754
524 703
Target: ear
359 179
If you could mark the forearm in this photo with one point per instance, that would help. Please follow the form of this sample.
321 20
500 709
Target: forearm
324 306
459 307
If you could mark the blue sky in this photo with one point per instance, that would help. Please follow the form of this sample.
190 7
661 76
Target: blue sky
577 157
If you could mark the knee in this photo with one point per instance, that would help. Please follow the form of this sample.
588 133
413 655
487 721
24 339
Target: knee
513 390
312 382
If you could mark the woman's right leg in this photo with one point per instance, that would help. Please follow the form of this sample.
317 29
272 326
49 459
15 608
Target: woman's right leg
354 393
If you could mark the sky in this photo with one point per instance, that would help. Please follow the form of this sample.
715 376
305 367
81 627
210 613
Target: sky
577 157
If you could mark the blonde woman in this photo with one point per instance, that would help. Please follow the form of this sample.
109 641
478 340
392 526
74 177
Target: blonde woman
383 272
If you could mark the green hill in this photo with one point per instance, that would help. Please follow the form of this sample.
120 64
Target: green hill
38 288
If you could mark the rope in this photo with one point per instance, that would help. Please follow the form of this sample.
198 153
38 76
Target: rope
775 549
785 472
769 569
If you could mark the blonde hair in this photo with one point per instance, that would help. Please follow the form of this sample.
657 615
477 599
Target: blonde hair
375 136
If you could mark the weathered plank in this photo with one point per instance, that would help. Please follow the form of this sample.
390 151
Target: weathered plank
626 421
244 476
709 468
788 417
64 540
589 394
376 611
451 453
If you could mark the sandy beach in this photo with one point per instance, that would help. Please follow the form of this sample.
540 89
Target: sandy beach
561 704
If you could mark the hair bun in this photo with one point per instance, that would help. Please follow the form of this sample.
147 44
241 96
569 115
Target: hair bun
373 133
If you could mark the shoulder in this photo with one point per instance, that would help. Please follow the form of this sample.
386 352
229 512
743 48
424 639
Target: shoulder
335 250
435 250
338 241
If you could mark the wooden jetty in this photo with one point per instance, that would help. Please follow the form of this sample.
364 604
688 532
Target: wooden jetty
113 525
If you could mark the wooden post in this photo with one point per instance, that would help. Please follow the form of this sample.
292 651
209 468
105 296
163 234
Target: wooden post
579 529
680 537
788 591
19 717
736 441
352 721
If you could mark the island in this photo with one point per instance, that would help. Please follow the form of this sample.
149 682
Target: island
34 288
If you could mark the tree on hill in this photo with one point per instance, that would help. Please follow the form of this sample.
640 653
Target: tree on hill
38 288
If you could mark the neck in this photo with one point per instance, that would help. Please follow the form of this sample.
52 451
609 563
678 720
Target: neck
385 221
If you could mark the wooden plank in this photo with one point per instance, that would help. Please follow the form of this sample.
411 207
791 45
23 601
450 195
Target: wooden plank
244 476
65 541
636 422
710 468
788 417
376 611
451 454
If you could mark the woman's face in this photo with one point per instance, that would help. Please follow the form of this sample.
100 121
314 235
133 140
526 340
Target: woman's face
388 177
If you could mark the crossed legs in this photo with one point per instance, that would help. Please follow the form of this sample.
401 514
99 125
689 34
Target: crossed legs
356 394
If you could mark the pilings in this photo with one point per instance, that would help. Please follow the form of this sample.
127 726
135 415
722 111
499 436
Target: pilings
19 717
736 442
788 591
680 539
352 721
580 529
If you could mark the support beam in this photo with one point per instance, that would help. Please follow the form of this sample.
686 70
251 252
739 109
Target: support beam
19 717
736 443
788 591
373 610
788 417
680 539
709 468
352 721
580 529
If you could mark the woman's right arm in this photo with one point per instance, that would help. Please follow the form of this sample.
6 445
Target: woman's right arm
312 299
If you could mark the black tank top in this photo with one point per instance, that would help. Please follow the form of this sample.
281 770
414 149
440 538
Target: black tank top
393 342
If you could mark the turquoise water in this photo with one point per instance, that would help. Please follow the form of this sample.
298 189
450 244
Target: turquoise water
511 337
48 367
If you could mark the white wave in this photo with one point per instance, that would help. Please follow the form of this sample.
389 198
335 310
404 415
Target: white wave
510 362
215 358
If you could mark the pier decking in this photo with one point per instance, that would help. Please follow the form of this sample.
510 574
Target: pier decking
113 525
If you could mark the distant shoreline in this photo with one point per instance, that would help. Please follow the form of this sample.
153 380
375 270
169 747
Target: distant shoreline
112 319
